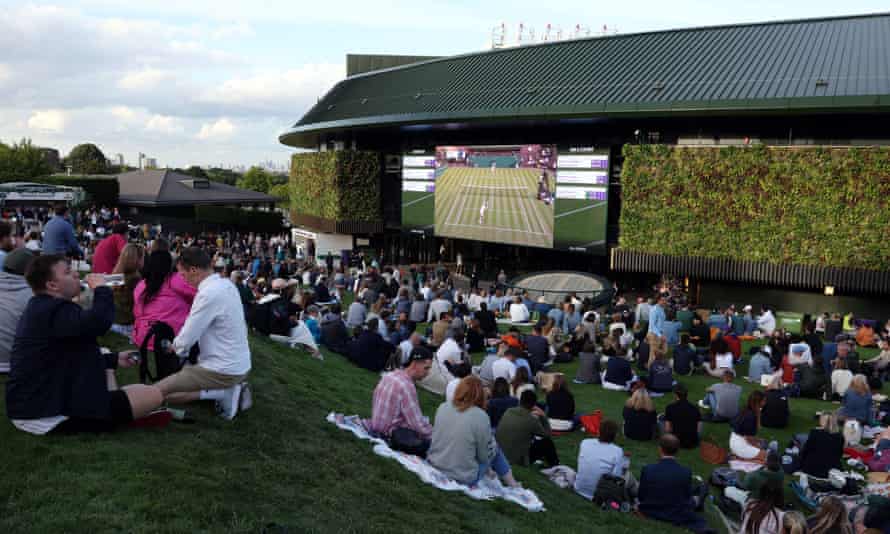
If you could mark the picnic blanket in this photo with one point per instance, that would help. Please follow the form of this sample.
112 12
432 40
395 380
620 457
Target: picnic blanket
485 489
744 466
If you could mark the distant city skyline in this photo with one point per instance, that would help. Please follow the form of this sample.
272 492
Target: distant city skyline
210 82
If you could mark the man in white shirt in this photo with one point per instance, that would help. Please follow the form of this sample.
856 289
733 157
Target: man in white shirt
408 345
505 367
766 322
518 311
474 301
437 307
216 322
450 350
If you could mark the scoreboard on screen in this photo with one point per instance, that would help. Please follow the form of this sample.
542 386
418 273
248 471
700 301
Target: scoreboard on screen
582 200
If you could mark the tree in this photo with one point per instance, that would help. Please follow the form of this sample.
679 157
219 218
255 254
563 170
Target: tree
256 179
87 159
195 171
280 191
22 161
225 176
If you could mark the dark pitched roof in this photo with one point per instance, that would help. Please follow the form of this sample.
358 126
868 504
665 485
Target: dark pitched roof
829 63
167 188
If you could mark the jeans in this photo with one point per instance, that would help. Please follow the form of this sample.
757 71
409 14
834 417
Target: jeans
498 463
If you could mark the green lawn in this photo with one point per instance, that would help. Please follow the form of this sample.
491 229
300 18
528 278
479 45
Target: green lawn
282 462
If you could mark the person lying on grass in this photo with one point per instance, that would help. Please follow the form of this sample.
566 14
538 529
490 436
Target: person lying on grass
59 381
216 322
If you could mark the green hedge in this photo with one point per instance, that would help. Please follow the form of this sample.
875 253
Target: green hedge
341 185
101 190
809 206
256 221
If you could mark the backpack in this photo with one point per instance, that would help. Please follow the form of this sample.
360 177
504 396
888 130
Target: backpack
166 363
271 317
722 477
611 492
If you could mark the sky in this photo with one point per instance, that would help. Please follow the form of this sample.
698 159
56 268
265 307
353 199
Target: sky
214 82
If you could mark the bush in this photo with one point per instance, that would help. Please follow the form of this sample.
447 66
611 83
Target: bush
339 185
256 221
101 190
808 206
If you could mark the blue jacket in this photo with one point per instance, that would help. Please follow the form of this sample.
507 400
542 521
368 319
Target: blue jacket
857 406
56 367
665 492
58 238
656 320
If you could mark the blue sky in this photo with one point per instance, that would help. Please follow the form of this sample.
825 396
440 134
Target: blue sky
215 81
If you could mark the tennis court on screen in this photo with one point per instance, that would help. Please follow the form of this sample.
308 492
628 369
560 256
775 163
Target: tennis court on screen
493 204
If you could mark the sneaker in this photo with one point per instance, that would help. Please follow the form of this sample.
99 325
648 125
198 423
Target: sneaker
227 407
246 400
703 406
318 355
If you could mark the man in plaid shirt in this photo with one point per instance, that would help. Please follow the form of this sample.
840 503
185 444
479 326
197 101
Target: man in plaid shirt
396 408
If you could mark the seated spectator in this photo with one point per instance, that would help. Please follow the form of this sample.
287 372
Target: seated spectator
722 399
108 251
440 329
598 457
812 379
560 404
764 510
505 366
830 517
841 378
538 349
518 311
766 322
370 351
357 313
823 449
685 359
700 334
463 446
721 358
334 334
487 321
665 490
500 401
216 322
751 484
877 366
759 365
799 354
521 382
59 381
437 307
524 433
129 264
846 352
794 523
475 336
618 375
813 339
775 411
682 419
718 320
485 370
14 296
661 378
742 440
163 295
671 330
310 319
396 408
639 416
419 309
588 365
458 372
405 347
857 401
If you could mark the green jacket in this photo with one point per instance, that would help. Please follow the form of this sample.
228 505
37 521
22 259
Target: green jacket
754 481
516 430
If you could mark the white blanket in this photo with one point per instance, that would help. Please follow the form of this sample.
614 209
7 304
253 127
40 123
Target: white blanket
299 335
486 489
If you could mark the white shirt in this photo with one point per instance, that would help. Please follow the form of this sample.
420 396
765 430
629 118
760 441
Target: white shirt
519 313
503 368
840 381
449 389
474 301
449 351
767 322
216 322
437 307
723 361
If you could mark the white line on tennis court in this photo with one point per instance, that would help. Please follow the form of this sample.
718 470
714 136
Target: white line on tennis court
416 200
495 228
581 209
489 209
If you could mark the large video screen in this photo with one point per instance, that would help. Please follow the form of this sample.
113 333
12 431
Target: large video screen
528 195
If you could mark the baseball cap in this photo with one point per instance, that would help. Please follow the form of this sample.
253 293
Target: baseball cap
17 261
419 354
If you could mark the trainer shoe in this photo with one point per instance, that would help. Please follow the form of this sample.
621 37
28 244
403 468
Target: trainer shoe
227 407
702 404
246 400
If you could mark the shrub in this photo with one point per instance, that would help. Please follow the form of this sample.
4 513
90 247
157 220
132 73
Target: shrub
339 185
809 206
102 190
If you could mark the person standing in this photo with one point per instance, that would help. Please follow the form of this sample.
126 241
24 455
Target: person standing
7 241
59 235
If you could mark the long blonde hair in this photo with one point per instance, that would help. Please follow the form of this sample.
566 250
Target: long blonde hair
130 260
640 400
860 385
794 522
830 517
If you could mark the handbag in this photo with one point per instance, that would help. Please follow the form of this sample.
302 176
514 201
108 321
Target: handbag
408 441
712 453
591 422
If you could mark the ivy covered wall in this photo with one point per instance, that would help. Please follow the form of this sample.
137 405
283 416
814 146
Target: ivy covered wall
809 206
341 185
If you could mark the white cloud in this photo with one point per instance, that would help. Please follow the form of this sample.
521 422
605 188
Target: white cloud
123 113
232 31
221 129
164 124
5 73
142 80
50 120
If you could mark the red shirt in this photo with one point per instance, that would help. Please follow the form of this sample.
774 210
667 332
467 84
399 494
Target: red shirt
107 252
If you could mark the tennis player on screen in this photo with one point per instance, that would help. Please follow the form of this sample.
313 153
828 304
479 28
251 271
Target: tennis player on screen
482 211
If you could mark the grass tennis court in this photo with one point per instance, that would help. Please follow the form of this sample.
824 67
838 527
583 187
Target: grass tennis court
580 223
513 215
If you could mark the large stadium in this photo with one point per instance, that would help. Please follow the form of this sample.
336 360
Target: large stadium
666 152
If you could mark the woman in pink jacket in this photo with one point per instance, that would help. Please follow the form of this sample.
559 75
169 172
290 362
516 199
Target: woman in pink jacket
162 295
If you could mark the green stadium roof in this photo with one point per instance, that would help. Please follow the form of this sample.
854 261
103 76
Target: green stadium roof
840 63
